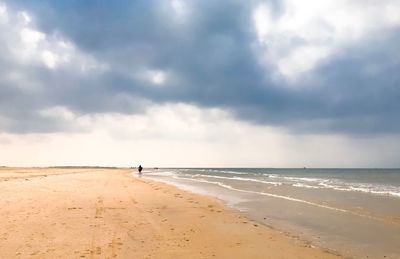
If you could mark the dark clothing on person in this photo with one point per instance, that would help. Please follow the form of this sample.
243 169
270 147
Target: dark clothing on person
140 168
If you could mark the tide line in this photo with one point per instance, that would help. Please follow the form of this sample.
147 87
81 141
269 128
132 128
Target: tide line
286 198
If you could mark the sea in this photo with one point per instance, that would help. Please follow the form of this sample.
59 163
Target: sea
352 212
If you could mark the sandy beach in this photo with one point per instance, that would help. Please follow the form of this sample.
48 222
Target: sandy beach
109 213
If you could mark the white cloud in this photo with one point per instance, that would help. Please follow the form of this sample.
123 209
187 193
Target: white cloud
29 45
31 37
24 17
302 60
157 77
307 32
185 135
49 59
180 9
3 13
179 6
58 112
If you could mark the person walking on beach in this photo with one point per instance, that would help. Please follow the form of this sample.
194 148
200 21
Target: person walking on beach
140 168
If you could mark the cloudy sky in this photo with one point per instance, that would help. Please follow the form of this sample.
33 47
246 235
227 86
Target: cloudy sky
278 83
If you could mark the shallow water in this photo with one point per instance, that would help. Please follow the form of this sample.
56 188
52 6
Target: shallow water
355 212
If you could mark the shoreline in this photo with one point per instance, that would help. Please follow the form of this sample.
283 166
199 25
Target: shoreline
288 231
242 214
100 213
325 208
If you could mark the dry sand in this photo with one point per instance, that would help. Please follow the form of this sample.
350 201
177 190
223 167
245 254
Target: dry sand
107 213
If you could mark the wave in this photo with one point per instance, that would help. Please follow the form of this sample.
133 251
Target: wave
159 173
299 182
365 188
306 186
205 181
333 184
238 179
223 171
340 185
305 179
297 179
284 198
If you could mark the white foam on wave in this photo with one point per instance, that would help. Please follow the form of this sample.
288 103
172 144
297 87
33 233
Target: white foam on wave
160 173
364 188
283 197
256 180
301 185
397 194
340 185
262 193
372 191
226 172
299 182
219 171
305 179
238 179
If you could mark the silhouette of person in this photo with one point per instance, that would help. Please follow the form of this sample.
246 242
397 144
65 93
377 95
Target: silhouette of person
140 168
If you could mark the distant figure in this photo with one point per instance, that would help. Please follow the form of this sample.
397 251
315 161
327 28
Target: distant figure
140 168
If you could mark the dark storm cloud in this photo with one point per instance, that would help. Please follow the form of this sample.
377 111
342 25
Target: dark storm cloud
212 62
361 87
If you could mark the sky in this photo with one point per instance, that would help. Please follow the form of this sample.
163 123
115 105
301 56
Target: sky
200 83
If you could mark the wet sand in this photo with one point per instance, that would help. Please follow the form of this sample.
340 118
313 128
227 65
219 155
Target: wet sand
108 213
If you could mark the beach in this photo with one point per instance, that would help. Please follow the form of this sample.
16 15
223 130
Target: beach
112 213
354 212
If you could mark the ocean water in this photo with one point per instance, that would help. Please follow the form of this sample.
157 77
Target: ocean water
355 212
